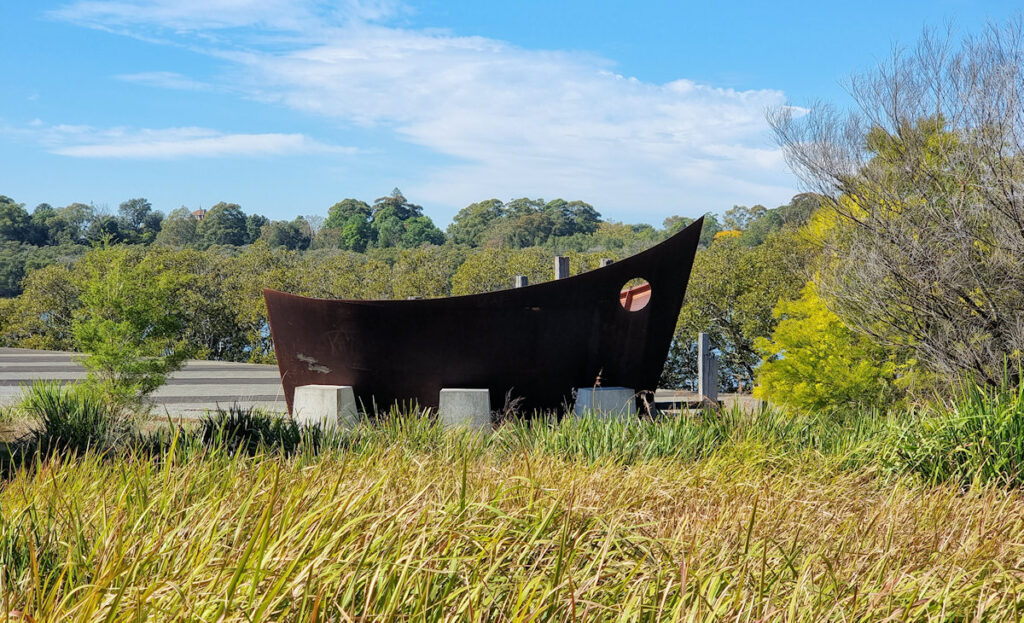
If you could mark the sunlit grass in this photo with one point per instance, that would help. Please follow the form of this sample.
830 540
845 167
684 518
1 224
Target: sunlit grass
720 515
727 516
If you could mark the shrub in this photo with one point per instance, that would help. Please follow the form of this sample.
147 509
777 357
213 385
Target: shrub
132 321
72 419
250 431
814 362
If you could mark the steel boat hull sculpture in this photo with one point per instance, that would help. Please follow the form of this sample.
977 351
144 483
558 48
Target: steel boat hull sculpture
535 344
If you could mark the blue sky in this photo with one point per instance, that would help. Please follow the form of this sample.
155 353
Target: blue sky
644 109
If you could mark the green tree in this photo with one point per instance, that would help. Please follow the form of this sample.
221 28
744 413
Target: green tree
76 219
254 224
571 217
342 212
523 206
330 273
131 324
799 209
41 316
44 218
739 217
140 224
12 267
15 223
388 228
395 205
291 235
814 362
425 271
105 228
243 279
398 223
471 223
615 240
178 229
347 226
49 226
356 235
528 230
419 231
490 269
732 291
224 224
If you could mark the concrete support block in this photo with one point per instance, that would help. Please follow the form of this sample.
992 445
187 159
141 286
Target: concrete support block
561 266
465 408
606 262
328 405
605 402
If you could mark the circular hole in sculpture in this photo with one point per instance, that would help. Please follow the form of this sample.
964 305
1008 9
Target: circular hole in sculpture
635 295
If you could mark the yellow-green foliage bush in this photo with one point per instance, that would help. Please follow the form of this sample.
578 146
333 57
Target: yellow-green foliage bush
813 361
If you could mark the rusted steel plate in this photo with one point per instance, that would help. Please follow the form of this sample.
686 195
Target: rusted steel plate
535 344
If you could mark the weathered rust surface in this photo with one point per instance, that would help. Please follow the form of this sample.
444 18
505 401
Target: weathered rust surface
535 343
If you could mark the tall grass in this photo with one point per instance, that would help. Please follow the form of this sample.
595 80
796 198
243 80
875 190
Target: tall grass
976 437
468 532
709 517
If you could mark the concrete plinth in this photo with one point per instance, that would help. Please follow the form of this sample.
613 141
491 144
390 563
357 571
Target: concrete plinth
327 405
605 402
465 408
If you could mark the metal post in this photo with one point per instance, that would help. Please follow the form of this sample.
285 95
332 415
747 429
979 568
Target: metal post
521 281
561 267
605 261
707 369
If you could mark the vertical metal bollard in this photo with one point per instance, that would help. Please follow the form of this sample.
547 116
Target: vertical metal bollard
707 369
561 267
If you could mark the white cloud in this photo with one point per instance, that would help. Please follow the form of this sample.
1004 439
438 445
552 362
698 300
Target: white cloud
165 80
515 121
81 141
536 122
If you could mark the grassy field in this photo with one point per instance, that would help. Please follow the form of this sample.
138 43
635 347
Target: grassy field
714 517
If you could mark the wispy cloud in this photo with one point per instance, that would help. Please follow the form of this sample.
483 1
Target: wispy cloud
516 121
165 80
198 15
81 141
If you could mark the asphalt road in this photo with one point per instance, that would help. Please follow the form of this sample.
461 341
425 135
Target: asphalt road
192 391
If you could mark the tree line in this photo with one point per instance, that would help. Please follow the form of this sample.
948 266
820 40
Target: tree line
32 240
